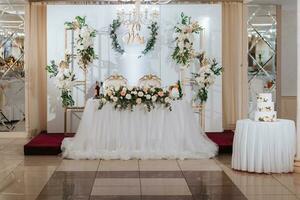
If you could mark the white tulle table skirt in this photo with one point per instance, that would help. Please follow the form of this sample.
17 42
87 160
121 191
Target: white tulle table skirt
138 134
264 147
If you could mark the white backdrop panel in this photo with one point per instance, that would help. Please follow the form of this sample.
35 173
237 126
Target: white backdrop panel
158 62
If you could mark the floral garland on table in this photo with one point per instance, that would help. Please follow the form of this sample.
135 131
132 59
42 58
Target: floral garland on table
184 50
64 79
150 44
206 76
85 41
127 98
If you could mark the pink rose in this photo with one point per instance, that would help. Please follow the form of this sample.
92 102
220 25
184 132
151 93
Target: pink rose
123 93
160 93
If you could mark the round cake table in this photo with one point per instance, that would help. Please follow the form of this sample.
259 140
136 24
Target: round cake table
264 147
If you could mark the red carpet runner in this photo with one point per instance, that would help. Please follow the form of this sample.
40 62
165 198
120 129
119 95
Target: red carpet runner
49 143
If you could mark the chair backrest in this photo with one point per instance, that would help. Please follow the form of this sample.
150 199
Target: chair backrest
150 80
115 80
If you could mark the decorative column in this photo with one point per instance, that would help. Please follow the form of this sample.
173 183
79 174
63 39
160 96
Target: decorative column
297 159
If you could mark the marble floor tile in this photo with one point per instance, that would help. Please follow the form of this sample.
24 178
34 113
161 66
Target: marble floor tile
174 190
42 161
68 187
272 197
208 178
25 181
288 179
116 190
66 197
119 165
118 174
163 181
264 190
116 197
17 197
78 165
116 182
199 165
74 175
158 165
161 174
215 190
164 197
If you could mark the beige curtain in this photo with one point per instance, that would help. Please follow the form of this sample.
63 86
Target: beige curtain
234 61
35 62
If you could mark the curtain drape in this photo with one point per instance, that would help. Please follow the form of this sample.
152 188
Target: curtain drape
234 61
35 62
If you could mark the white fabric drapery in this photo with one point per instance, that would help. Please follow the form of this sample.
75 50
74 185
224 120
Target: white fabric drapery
234 61
158 134
264 147
35 63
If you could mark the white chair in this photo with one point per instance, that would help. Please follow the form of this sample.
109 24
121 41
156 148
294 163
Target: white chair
115 80
150 80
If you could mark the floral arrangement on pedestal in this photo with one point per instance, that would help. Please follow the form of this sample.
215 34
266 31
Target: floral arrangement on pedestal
64 79
84 42
184 51
127 98
205 78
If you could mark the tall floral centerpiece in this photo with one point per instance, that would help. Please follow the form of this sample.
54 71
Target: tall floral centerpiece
205 77
84 44
184 51
202 80
85 54
64 79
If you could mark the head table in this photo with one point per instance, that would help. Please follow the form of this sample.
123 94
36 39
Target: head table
159 134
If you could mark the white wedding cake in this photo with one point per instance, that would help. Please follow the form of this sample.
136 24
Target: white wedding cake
265 108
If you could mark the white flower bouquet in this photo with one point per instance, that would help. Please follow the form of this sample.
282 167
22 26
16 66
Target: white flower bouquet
205 78
184 50
64 79
85 41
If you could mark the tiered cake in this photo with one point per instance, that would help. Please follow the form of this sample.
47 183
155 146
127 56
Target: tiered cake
265 108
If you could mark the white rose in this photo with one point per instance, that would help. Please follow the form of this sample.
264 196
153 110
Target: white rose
148 96
103 100
134 92
115 99
109 92
154 98
167 99
152 89
128 96
138 100
130 88
140 94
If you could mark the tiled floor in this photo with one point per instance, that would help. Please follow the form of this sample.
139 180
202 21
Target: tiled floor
51 177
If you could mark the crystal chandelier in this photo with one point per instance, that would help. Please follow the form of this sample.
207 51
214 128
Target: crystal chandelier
134 19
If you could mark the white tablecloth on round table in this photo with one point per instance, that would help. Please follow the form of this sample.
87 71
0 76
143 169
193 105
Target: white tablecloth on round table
160 133
264 147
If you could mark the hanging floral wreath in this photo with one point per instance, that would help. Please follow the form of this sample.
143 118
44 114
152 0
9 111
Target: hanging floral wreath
150 44
113 35
184 51
85 41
